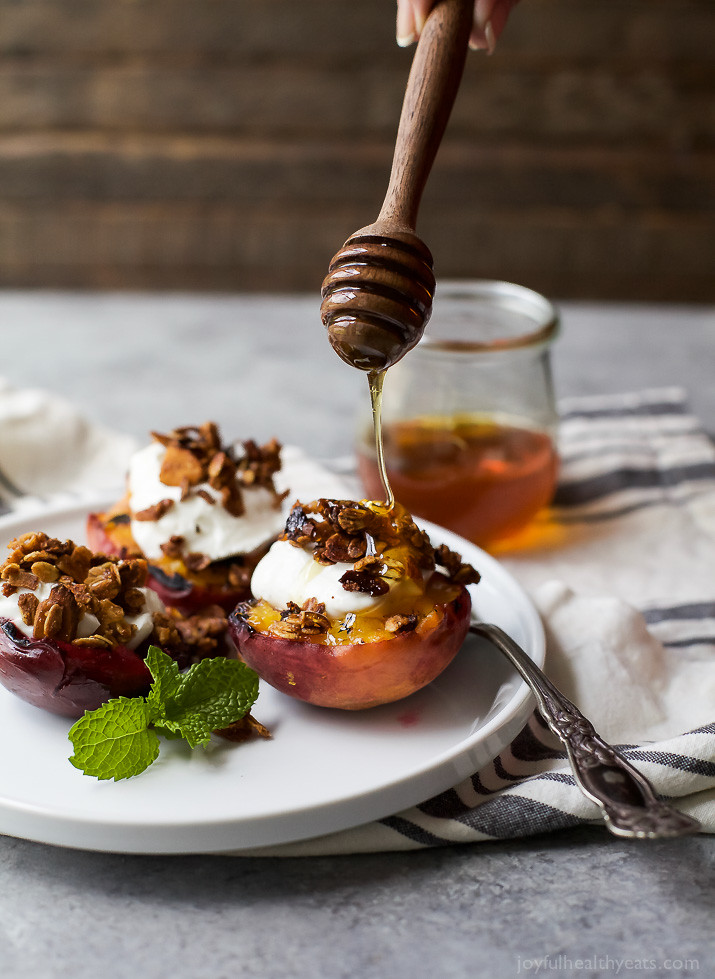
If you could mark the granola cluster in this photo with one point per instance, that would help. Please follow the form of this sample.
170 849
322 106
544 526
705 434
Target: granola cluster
195 456
105 587
191 638
301 621
382 545
82 582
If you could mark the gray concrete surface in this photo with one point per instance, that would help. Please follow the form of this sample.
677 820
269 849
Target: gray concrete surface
577 903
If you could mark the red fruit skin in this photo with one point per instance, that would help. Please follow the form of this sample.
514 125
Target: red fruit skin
356 676
190 598
67 679
99 541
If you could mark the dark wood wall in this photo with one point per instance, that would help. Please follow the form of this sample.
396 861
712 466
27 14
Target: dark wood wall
234 144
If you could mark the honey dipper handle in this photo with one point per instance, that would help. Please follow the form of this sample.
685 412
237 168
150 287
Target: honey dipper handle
431 90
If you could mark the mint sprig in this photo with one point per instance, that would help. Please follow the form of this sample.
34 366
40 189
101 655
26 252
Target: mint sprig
119 739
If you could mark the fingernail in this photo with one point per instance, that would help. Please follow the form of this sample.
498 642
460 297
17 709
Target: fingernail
490 37
405 25
483 13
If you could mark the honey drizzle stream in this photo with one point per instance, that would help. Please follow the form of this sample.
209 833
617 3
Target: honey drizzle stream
375 381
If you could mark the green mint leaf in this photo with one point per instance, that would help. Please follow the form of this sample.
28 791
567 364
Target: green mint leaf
120 739
114 741
213 694
167 678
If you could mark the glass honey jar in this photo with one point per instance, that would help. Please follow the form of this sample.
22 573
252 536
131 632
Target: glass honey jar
469 416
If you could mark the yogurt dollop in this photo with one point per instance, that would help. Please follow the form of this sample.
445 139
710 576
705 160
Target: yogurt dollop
290 574
206 528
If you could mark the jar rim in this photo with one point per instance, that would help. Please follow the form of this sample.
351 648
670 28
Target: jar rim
497 292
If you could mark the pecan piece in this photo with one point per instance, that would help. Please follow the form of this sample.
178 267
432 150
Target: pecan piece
28 604
401 623
15 576
57 616
461 574
173 547
178 464
196 561
154 512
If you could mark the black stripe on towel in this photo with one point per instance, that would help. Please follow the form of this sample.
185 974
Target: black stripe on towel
446 805
705 729
691 611
683 763
526 746
605 484
512 816
642 409
413 832
693 641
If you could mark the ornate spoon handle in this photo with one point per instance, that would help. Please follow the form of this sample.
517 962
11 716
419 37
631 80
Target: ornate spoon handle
629 803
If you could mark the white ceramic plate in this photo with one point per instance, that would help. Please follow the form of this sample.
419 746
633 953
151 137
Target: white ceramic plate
323 770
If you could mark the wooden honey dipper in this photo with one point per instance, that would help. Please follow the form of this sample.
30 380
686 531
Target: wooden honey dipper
377 295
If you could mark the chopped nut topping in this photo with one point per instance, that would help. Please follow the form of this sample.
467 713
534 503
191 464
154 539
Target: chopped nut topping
238 576
180 464
401 623
45 571
57 616
15 576
301 622
285 628
27 603
194 455
191 638
173 547
99 642
382 545
243 729
107 588
155 512
196 561
461 574
104 580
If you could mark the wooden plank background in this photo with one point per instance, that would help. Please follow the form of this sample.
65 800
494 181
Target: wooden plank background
234 144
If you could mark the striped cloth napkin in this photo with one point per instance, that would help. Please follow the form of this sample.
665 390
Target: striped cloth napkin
621 568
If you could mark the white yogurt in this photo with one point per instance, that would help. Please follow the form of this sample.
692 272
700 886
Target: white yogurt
206 528
289 574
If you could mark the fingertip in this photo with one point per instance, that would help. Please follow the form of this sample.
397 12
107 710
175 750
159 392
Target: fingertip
406 29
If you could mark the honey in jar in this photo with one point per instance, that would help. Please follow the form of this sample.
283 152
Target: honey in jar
482 478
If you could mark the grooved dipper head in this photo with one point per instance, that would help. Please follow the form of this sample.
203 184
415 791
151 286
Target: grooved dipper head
377 298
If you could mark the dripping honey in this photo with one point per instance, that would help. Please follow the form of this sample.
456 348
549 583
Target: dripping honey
480 477
375 382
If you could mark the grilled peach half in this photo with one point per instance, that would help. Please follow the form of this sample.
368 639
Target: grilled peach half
361 674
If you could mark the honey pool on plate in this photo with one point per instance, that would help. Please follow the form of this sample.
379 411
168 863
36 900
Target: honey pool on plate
480 477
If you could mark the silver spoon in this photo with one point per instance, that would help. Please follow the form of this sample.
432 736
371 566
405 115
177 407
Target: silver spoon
629 803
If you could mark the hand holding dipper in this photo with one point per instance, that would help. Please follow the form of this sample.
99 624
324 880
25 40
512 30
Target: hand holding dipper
377 295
